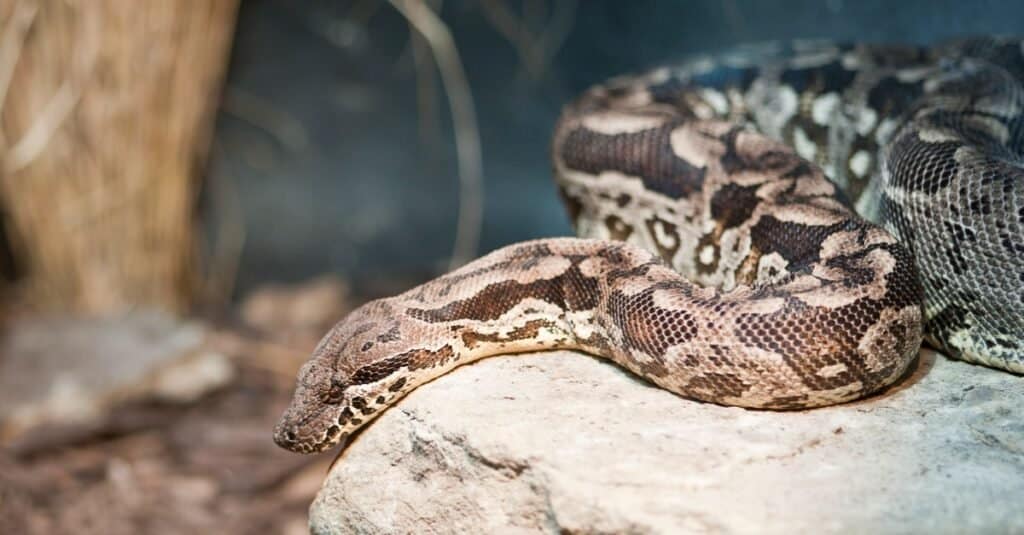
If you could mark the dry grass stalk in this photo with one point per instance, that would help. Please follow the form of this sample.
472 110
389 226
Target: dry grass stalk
426 86
535 35
467 135
107 120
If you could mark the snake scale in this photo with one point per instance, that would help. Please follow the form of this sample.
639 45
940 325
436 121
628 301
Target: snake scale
726 247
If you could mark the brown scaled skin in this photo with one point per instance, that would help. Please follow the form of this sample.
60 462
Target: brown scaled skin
620 302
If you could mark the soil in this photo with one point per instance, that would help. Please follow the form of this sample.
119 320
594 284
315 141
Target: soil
205 467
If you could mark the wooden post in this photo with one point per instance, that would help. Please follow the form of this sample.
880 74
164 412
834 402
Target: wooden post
105 125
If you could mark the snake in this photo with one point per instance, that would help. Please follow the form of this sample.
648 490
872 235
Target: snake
778 226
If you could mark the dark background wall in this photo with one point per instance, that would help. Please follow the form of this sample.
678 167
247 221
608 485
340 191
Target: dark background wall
319 155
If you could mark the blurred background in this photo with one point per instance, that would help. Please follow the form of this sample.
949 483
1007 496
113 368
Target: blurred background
192 192
361 175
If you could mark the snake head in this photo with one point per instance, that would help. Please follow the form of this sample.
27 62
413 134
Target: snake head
353 374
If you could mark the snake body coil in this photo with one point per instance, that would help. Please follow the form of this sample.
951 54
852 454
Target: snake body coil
716 259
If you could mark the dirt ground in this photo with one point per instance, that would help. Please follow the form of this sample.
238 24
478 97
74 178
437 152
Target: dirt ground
206 467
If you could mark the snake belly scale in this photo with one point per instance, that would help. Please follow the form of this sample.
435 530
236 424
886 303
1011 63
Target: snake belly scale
726 248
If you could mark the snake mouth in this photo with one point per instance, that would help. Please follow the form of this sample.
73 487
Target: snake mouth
287 437
290 442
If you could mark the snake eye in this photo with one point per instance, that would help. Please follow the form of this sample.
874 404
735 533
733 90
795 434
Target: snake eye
334 394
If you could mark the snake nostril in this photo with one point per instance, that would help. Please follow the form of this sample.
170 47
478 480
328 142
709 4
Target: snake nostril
285 438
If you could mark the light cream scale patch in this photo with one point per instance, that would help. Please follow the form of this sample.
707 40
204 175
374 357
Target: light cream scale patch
844 393
524 311
885 130
707 254
851 61
733 249
644 205
835 296
818 55
694 148
552 334
784 382
771 266
582 323
915 74
663 236
611 122
802 283
547 267
814 186
806 148
825 108
673 300
807 214
865 119
936 135
831 371
716 100
880 346
772 106
845 243
860 163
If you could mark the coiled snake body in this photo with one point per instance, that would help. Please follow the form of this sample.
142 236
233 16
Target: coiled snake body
716 259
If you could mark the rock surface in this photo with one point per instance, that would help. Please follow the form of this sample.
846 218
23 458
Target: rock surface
563 443
70 371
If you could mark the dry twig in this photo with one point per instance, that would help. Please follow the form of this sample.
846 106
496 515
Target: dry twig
426 83
226 255
60 105
11 41
287 130
467 135
31 144
535 50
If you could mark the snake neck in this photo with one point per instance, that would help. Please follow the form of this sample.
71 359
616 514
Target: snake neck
550 298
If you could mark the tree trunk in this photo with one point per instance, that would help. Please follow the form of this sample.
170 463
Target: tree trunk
105 126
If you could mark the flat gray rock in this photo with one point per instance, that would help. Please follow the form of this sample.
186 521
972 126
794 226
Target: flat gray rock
60 371
563 443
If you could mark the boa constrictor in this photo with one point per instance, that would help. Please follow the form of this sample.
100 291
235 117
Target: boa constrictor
720 263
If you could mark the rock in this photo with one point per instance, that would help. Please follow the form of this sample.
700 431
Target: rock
563 443
65 371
